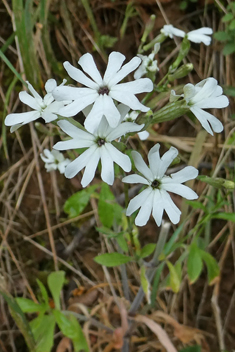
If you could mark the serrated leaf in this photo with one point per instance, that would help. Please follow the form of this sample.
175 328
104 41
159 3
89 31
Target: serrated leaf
55 283
43 330
212 267
145 283
228 17
75 204
112 259
29 306
194 263
229 48
147 250
174 277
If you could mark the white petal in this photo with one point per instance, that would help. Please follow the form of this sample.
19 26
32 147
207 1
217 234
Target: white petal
189 91
78 105
208 86
88 65
136 87
135 179
27 99
73 144
110 111
155 161
79 163
127 98
179 189
143 135
94 117
23 117
49 116
50 85
70 93
141 166
124 71
74 131
107 169
218 102
91 167
145 211
140 71
33 91
79 76
115 62
123 110
122 129
204 117
167 159
137 201
187 173
157 207
171 209
119 158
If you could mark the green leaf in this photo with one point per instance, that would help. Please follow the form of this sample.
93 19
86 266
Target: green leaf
75 204
224 216
228 17
72 329
121 240
145 283
112 259
43 291
232 25
147 250
197 205
108 209
212 267
55 283
43 330
229 90
174 277
29 306
191 349
229 48
194 263
106 41
222 36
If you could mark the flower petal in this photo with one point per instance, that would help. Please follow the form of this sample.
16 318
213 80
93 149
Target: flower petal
119 158
218 102
204 117
127 98
49 116
74 131
171 209
33 91
23 117
73 144
141 166
88 65
79 163
91 167
157 207
166 160
135 179
79 76
155 160
143 135
145 211
124 71
78 105
179 189
107 169
115 62
137 201
122 129
110 111
27 99
94 117
136 87
50 85
187 173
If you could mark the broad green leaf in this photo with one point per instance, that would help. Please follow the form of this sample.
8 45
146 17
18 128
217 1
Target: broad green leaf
108 209
75 204
196 348
145 283
43 291
72 329
174 277
119 237
112 259
43 330
55 283
228 17
194 263
229 90
212 267
29 306
224 216
121 240
229 48
147 250
222 36
232 25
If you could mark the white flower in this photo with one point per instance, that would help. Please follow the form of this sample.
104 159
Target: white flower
148 63
155 198
102 91
207 94
54 160
168 30
99 148
131 117
46 107
200 35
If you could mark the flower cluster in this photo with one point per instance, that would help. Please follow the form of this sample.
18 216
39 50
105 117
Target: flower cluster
110 109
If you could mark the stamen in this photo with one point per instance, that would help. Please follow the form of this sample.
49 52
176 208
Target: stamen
103 90
155 184
100 142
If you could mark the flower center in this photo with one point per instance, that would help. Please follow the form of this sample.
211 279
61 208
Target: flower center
103 90
101 142
155 184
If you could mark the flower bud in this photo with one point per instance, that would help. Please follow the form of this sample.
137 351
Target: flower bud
180 72
148 28
218 182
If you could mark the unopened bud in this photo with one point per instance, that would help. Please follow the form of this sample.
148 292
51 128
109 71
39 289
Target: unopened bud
180 72
217 182
148 28
184 49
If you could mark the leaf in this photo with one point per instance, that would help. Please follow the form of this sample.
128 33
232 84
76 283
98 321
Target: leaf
174 277
108 209
55 283
43 330
212 267
229 48
232 25
196 348
43 291
29 306
112 259
229 90
222 36
106 41
194 263
147 250
224 216
228 17
121 240
72 329
156 282
75 204
197 205
145 283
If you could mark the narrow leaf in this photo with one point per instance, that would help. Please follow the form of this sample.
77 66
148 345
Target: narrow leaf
112 259
194 263
55 283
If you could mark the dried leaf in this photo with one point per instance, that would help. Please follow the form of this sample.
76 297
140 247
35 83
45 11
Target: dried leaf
64 345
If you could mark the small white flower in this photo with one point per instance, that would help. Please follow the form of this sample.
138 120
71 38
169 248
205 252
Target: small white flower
200 35
46 107
54 160
131 117
148 63
168 30
101 92
207 94
99 146
155 198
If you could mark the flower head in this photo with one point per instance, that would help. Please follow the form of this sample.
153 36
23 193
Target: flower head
101 92
148 63
207 94
131 117
200 35
155 198
46 107
168 30
99 147
54 160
